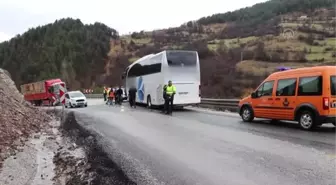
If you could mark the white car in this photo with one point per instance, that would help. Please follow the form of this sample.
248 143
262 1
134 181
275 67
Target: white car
124 96
75 99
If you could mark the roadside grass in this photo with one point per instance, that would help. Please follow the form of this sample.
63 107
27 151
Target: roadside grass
133 59
215 27
260 68
142 41
317 26
318 56
128 39
330 42
230 43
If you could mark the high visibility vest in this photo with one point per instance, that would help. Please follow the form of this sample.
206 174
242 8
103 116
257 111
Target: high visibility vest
171 89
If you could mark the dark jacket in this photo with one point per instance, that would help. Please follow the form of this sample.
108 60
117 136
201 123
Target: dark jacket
119 92
132 92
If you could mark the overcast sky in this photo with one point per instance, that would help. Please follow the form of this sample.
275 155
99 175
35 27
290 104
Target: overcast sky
17 16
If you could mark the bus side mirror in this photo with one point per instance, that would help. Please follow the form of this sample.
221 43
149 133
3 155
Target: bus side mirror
254 95
123 76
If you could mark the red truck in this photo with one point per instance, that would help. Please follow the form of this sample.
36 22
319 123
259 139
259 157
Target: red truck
43 93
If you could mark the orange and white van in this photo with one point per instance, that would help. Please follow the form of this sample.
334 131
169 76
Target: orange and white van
306 95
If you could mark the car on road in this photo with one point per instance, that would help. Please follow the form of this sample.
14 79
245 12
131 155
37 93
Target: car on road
306 95
124 95
75 99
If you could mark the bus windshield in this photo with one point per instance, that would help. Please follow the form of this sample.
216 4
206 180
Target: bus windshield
181 58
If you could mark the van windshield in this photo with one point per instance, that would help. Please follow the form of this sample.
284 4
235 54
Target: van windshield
333 85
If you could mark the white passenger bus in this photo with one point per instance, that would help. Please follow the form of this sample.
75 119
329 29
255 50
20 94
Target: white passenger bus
150 73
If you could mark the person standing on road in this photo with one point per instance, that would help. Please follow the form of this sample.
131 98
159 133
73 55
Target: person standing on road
108 90
119 93
105 93
132 93
170 92
111 96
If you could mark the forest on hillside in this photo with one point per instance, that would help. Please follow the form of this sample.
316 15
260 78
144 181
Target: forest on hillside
261 12
66 49
262 18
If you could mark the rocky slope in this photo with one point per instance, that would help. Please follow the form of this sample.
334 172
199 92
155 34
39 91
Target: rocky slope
18 119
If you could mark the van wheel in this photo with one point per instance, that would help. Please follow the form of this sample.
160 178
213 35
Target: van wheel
149 102
307 120
247 114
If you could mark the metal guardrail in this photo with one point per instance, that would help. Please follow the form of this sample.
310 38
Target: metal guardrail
228 104
94 96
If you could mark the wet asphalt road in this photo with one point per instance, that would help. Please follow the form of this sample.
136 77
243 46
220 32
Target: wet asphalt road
205 147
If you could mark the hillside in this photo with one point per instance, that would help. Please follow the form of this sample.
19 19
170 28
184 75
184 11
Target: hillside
66 48
237 49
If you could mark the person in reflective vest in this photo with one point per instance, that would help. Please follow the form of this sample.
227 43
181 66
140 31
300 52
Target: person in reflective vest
105 93
169 100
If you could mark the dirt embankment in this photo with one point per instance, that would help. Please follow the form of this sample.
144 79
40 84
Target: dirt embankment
37 148
18 119
95 167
